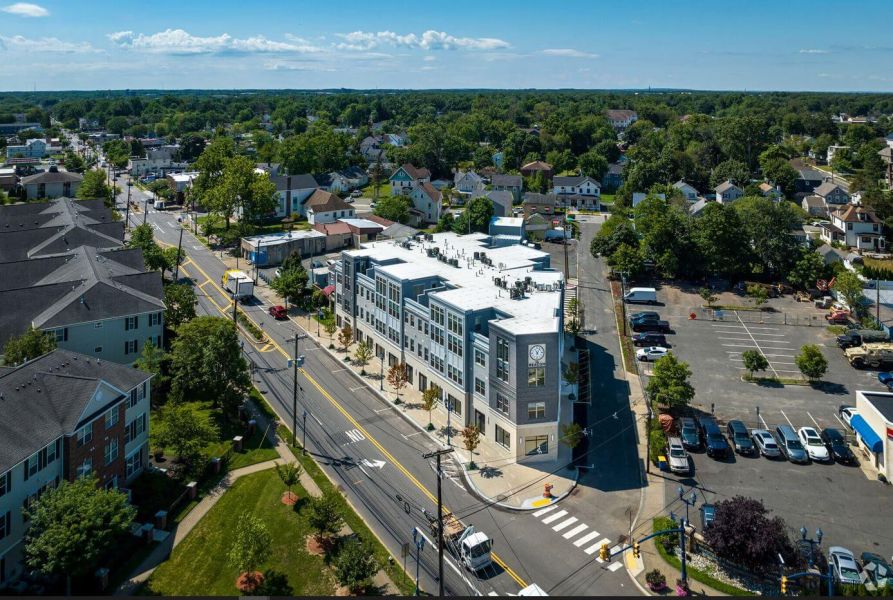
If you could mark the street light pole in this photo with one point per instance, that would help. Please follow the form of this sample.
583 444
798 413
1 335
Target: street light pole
127 218
690 501
419 542
304 432
179 249
145 211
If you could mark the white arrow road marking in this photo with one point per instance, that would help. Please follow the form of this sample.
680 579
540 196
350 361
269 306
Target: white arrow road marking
374 464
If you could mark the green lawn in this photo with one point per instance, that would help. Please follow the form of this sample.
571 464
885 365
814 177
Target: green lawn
198 566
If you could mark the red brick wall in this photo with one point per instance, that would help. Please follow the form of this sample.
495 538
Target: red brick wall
95 449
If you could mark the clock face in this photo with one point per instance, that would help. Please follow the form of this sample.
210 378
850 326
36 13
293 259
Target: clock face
537 352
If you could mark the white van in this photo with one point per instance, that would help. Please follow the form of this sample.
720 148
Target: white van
158 205
641 296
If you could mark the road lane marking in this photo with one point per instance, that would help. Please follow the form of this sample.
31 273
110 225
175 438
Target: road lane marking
554 517
543 511
355 436
594 547
575 531
586 538
565 524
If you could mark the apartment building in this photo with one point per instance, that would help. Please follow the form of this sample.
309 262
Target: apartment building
65 415
483 325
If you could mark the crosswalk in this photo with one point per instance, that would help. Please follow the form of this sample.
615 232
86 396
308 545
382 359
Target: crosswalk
569 527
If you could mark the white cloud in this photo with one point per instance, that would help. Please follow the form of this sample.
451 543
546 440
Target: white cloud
46 44
812 51
26 9
278 65
429 40
568 52
179 41
429 58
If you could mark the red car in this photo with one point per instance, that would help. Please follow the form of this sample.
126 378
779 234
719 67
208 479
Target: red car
278 312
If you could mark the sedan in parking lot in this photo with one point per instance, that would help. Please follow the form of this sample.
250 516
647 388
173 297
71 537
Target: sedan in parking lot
766 443
677 456
846 414
644 314
837 446
651 354
649 339
843 566
813 444
646 325
688 431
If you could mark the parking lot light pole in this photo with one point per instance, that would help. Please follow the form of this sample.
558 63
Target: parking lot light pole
690 501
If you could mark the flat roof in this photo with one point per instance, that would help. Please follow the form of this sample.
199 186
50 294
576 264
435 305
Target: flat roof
272 239
362 223
473 281
507 221
882 401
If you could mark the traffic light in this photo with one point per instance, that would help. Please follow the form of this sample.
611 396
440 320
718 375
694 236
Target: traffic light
636 552
784 584
604 553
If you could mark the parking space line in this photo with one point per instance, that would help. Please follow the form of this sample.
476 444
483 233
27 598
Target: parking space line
786 418
754 345
774 362
814 421
755 342
841 421
763 421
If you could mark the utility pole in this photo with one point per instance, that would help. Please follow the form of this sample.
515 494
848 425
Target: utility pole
145 211
179 249
438 454
296 362
127 218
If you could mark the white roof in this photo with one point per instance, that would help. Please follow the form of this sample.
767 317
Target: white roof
507 221
473 281
272 239
362 223
183 177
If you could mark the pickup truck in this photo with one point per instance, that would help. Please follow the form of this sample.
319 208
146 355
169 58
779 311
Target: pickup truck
857 337
469 546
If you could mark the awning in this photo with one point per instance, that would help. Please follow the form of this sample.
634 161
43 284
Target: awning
327 291
871 439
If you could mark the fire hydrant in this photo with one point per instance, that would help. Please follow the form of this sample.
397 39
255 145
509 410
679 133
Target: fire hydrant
692 316
547 490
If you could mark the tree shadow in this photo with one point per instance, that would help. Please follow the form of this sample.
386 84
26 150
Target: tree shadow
828 387
275 583
488 472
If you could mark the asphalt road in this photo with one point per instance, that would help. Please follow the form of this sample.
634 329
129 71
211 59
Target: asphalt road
369 450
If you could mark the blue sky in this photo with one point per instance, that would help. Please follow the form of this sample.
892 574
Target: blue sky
821 45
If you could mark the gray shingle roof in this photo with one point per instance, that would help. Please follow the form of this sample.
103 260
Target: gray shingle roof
45 399
826 188
725 186
52 177
507 180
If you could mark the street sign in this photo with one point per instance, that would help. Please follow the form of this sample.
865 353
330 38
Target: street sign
404 550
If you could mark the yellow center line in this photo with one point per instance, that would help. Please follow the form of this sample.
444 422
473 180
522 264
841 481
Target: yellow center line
369 437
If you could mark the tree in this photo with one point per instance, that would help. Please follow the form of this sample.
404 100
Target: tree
356 565
754 361
31 344
290 475
363 352
94 185
616 230
471 439
73 526
324 518
593 165
184 430
730 170
291 284
210 165
345 336
571 373
572 434
430 397
154 360
179 302
743 533
207 363
330 327
708 296
758 294
626 259
446 222
394 208
477 212
670 382
252 546
398 377
850 287
721 240
807 270
811 362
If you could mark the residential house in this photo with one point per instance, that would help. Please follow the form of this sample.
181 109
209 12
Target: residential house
406 178
396 139
180 183
33 148
698 207
427 202
638 197
537 166
832 194
343 181
14 128
887 157
326 207
85 124
534 203
579 185
65 415
808 179
620 119
830 254
688 192
536 225
159 160
97 302
502 201
8 179
857 227
815 206
272 249
613 179
727 192
498 159
468 182
349 233
371 149
832 150
293 191
509 183
770 191
51 183
271 169
889 139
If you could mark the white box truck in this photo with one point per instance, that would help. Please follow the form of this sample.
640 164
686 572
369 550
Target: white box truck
641 295
238 284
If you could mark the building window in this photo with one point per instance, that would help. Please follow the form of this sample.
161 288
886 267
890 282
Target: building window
135 428
536 376
454 405
134 463
5 525
131 323
537 444
502 403
503 438
5 483
111 451
130 347
111 417
536 410
480 387
502 359
480 358
85 434
85 468
61 335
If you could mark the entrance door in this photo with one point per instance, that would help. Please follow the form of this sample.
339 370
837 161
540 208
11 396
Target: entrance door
480 420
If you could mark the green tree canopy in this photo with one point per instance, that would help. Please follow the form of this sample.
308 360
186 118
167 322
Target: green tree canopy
811 362
477 213
394 208
94 185
251 546
670 382
179 302
184 430
31 344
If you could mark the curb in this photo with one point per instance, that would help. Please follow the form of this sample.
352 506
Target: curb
469 485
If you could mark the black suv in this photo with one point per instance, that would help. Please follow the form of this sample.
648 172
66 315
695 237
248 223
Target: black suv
740 437
647 325
649 339
688 431
717 446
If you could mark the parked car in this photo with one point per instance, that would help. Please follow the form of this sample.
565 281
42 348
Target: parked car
688 431
653 326
708 515
846 414
838 317
766 444
843 566
717 446
649 339
651 354
356 194
643 295
278 312
737 432
837 446
677 456
790 444
877 570
885 377
645 314
813 444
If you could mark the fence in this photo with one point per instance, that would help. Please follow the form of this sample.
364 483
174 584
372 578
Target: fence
763 317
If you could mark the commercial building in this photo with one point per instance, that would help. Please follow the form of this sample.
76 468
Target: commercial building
874 429
33 148
272 249
65 415
482 325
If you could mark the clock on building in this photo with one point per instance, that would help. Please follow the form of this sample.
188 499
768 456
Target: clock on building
537 353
